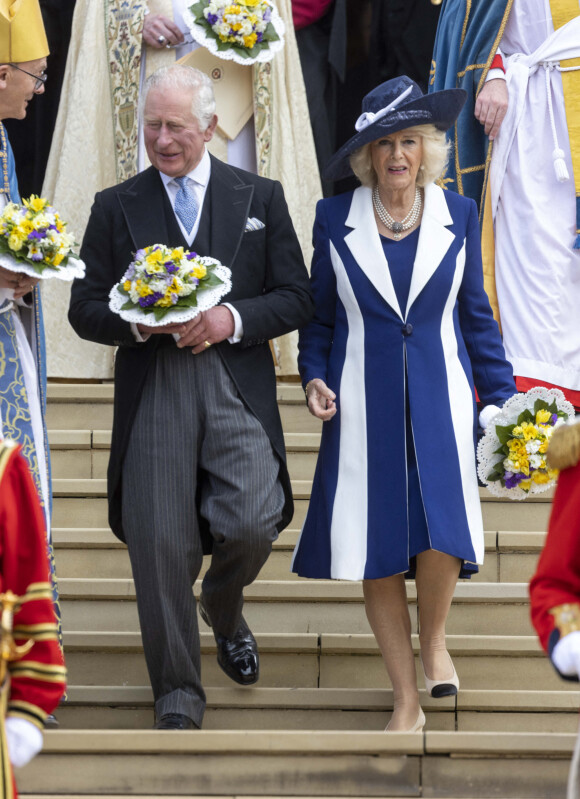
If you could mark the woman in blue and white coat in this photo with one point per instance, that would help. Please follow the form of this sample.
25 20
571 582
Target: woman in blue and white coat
402 334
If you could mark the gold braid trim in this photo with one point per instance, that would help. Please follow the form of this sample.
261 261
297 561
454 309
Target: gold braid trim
38 632
25 710
566 618
38 671
493 50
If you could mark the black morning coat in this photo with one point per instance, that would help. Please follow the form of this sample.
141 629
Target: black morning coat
270 290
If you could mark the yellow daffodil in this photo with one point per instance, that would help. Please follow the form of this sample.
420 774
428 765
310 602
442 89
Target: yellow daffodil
57 260
543 417
250 41
540 477
176 254
36 203
165 302
15 241
525 485
154 257
517 431
127 285
250 3
199 271
529 431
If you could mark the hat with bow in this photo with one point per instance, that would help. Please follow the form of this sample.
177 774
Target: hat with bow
395 105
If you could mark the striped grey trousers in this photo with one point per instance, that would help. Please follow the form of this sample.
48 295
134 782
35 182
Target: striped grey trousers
195 449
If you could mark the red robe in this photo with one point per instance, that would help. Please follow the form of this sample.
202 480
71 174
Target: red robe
557 578
37 681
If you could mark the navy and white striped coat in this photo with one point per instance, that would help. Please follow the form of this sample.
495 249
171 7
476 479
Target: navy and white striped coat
365 347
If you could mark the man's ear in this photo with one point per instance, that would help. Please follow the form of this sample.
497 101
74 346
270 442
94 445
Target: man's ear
209 131
4 72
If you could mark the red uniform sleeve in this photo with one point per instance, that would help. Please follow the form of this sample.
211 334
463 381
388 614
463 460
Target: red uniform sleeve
557 578
37 681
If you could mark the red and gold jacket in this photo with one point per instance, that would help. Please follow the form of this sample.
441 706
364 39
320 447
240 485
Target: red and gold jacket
555 587
36 681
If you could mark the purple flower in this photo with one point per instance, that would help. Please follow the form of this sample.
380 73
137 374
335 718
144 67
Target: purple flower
145 302
37 235
174 298
267 15
191 256
212 18
260 36
554 419
139 255
37 256
512 480
170 267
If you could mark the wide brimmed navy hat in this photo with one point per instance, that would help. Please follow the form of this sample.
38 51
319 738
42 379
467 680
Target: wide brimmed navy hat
395 105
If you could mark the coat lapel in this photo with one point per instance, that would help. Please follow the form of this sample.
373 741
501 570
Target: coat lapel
142 205
365 245
434 241
230 206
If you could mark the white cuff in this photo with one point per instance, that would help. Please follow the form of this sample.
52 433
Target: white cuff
238 326
566 654
487 414
24 741
494 74
138 337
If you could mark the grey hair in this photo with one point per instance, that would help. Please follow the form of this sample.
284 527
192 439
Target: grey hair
179 76
433 164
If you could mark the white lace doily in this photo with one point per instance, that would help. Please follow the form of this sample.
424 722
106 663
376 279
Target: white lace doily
486 455
206 299
201 35
74 268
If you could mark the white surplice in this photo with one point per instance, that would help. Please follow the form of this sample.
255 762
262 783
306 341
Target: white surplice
537 269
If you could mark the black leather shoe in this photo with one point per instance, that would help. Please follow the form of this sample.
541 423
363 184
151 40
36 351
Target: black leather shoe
175 721
238 656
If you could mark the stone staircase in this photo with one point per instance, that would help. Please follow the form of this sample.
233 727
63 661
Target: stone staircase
313 724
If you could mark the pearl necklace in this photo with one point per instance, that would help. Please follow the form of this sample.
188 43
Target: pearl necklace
397 228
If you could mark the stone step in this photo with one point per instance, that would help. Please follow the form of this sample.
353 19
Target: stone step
309 660
76 406
82 503
301 763
131 707
95 552
85 453
299 606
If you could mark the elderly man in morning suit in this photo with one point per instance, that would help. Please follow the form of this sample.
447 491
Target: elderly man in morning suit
197 440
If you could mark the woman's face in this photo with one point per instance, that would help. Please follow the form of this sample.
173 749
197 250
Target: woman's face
396 159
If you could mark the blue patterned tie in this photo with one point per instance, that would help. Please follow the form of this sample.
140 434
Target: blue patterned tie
186 206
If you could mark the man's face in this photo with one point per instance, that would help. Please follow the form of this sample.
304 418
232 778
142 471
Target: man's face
18 88
173 140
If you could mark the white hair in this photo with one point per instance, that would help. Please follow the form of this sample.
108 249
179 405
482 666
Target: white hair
179 76
433 162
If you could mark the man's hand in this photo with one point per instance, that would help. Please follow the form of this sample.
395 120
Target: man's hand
20 283
208 327
321 399
159 31
491 106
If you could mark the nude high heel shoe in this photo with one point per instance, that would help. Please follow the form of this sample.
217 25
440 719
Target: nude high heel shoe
417 726
439 688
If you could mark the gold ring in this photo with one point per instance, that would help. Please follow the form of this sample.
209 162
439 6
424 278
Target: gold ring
206 344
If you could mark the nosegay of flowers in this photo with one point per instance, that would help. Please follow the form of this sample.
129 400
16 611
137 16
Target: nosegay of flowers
512 453
161 280
33 233
244 26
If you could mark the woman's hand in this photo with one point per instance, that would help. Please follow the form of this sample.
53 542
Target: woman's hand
159 31
320 399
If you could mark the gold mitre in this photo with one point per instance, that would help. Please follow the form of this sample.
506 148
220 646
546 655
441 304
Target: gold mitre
22 36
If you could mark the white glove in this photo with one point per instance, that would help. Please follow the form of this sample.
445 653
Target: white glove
566 655
24 741
487 414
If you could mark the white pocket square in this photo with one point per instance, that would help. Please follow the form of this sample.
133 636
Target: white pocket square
253 223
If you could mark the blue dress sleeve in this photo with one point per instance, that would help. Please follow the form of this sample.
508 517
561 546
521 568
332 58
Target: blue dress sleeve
315 341
12 180
492 373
